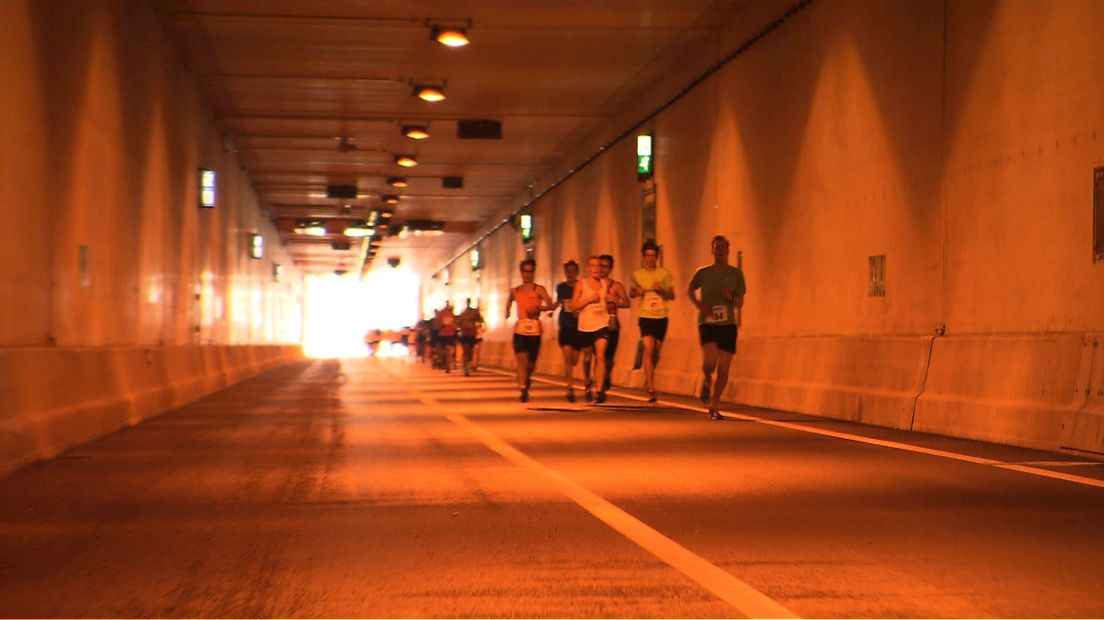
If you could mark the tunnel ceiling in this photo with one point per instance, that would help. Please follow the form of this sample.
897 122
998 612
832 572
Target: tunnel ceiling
315 93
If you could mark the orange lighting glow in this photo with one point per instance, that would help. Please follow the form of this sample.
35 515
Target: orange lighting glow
430 93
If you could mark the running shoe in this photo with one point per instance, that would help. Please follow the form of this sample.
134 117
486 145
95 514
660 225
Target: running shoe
524 395
600 397
651 396
714 414
571 396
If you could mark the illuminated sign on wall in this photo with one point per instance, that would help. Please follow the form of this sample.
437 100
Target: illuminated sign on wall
256 246
525 223
476 260
206 188
644 161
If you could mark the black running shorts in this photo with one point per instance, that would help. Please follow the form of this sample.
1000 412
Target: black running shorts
656 328
724 336
568 337
529 345
587 339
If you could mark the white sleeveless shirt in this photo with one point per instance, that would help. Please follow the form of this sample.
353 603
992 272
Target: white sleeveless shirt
594 315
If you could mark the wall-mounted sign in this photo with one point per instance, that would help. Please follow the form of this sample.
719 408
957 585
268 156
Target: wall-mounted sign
644 161
256 246
206 188
476 259
525 223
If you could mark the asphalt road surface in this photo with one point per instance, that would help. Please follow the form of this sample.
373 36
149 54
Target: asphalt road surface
381 488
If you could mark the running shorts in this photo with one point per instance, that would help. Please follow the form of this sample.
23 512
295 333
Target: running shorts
568 336
724 336
587 339
529 345
656 328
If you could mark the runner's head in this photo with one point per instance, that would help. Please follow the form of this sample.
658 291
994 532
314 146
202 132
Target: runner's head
719 248
594 266
650 253
528 267
607 264
570 269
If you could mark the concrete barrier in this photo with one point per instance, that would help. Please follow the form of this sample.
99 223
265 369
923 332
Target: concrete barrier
1041 391
1085 431
1028 390
54 398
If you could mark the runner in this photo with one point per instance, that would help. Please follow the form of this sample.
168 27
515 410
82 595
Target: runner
569 324
446 337
470 320
722 290
421 337
478 345
531 299
616 300
589 302
655 287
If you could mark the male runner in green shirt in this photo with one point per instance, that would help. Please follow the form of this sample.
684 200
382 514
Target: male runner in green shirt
722 291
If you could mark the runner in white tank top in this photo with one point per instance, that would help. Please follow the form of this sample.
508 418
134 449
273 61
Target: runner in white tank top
589 303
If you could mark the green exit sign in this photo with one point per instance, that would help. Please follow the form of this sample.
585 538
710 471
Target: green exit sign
644 161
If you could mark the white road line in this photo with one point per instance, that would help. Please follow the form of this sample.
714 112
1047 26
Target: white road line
1023 468
746 599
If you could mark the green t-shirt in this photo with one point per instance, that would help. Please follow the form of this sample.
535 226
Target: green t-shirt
652 304
712 280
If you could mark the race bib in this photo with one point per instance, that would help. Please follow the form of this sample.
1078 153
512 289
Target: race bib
652 302
595 311
717 314
528 327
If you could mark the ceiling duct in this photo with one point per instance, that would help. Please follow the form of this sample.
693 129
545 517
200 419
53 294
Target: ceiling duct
341 191
478 129
341 245
452 182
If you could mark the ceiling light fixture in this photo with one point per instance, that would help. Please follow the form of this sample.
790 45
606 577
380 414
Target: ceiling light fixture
359 230
313 229
397 181
390 199
415 132
449 36
406 161
386 215
430 92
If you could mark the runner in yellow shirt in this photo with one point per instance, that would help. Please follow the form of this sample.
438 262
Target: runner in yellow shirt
655 287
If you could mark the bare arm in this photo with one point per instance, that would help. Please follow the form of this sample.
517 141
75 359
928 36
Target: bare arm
546 300
621 299
579 300
690 292
509 303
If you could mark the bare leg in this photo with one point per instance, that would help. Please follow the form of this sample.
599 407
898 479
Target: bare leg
600 367
709 364
724 360
522 369
570 356
588 358
651 351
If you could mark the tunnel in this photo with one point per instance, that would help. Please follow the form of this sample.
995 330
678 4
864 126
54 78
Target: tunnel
241 230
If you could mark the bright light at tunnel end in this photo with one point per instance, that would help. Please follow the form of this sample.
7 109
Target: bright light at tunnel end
341 310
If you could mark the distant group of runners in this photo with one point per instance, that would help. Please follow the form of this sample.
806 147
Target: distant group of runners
436 338
589 323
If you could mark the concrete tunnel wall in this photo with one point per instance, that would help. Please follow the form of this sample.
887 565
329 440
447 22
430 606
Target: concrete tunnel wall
956 139
103 133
